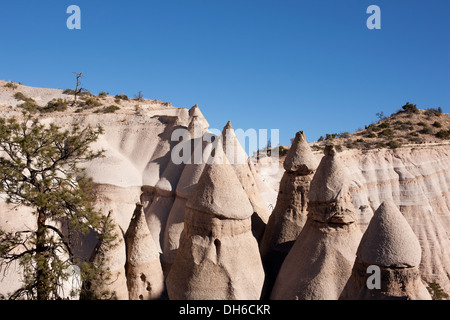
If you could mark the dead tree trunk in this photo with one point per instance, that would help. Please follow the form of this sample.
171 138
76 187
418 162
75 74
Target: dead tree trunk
78 88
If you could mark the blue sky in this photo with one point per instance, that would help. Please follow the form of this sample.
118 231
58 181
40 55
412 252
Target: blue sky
287 64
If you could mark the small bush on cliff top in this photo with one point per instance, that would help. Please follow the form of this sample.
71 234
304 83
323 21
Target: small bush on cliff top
410 108
110 109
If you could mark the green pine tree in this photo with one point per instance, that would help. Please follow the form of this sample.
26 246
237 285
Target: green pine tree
436 291
39 168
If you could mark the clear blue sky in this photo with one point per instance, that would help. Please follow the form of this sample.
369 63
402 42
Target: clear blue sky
287 64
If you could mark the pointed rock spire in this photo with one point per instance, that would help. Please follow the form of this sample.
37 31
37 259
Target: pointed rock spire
300 157
290 212
195 112
330 186
390 245
186 185
218 257
320 262
219 191
330 181
239 160
235 153
389 240
144 273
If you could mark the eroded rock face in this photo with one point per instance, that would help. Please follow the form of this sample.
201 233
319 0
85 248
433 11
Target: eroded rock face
390 245
290 213
321 259
218 257
417 180
144 273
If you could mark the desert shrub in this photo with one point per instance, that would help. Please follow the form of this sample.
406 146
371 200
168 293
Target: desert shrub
414 134
436 291
83 92
320 139
20 96
384 125
386 133
89 102
121 97
422 124
433 112
69 91
443 134
393 144
11 85
344 135
380 145
54 105
338 147
375 129
426 130
109 109
29 106
371 135
103 94
410 108
415 140
437 124
359 140
403 127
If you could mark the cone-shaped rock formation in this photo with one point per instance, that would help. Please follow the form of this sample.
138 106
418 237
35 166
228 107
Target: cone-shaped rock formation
144 273
218 257
391 246
321 259
186 184
238 158
290 212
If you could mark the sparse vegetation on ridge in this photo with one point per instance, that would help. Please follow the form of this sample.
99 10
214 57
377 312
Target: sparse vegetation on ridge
409 125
